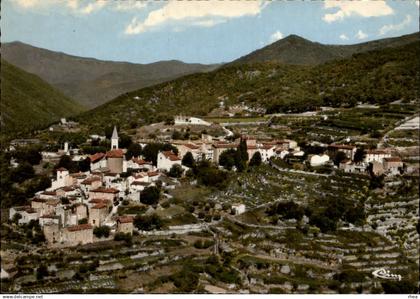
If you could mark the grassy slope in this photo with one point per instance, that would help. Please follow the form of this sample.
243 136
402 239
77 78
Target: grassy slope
28 102
377 76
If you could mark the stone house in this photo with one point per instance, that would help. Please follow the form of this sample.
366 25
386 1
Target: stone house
125 225
97 214
48 219
392 165
104 193
52 232
97 161
91 183
78 234
26 212
115 160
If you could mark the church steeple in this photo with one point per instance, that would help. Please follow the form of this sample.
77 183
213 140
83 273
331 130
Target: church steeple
114 139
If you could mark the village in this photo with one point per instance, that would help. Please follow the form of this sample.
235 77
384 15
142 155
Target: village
152 191
77 203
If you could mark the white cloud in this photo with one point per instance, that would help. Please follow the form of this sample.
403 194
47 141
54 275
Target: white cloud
126 5
276 36
361 35
343 37
363 8
195 13
75 6
395 27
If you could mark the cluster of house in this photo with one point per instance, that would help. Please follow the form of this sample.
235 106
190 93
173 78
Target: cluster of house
76 203
382 161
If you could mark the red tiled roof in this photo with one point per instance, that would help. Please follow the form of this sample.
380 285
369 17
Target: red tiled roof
99 200
96 157
52 193
105 190
36 199
377 152
116 153
141 161
90 180
137 183
68 189
77 175
99 206
62 169
267 146
79 227
152 173
393 159
225 145
342 146
125 219
171 156
192 146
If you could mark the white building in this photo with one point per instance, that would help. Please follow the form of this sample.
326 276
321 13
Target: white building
187 120
63 179
27 214
318 160
238 208
167 159
114 139
377 155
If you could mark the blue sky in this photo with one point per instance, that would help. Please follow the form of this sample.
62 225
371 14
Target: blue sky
196 31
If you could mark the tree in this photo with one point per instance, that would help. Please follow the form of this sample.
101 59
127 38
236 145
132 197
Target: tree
84 165
256 160
67 163
339 157
133 150
147 222
188 160
241 156
22 173
101 231
30 155
124 141
150 195
176 171
176 135
227 159
41 272
359 155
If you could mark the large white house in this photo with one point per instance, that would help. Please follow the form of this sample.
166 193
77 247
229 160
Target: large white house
167 159
188 120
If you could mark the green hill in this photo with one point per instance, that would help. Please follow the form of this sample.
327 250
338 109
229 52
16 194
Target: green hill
28 102
294 49
92 82
377 76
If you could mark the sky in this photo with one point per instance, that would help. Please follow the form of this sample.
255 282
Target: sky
198 31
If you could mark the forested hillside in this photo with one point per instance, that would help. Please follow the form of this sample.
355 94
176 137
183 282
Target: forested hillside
380 76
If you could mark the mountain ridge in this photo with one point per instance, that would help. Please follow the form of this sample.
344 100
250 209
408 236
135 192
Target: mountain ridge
295 49
68 72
